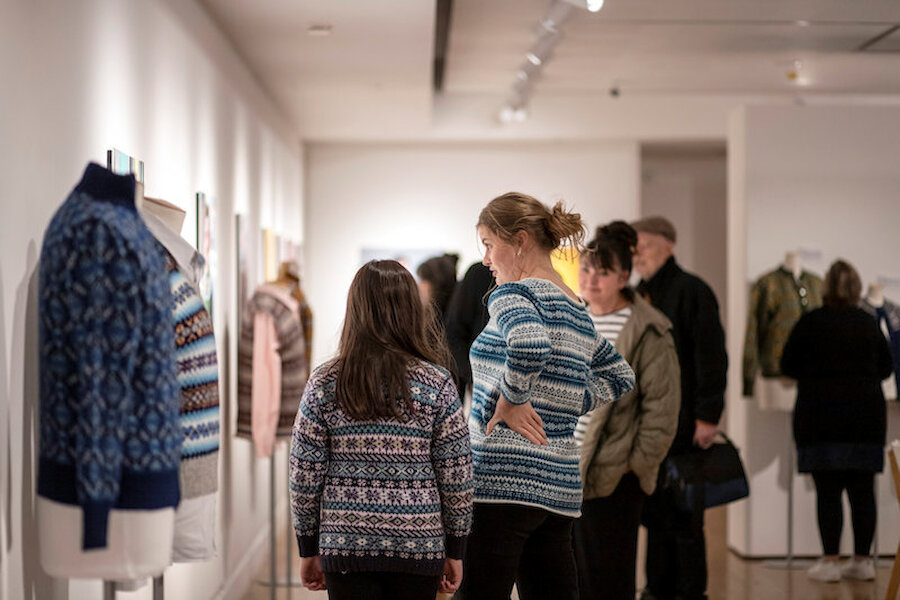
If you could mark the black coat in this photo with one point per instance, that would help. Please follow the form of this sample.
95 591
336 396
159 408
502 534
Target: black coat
838 357
467 314
700 341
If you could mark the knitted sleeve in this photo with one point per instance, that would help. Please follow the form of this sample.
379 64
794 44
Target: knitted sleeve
309 464
527 340
451 457
755 322
610 376
103 308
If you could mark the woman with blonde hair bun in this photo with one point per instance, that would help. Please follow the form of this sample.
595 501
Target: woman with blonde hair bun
537 367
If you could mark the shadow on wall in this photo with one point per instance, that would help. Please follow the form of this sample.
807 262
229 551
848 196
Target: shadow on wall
762 426
5 451
35 582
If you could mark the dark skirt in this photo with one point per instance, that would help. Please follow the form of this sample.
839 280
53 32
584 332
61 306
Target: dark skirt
836 456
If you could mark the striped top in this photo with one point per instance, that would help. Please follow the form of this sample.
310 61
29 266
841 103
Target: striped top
608 326
198 377
384 494
539 346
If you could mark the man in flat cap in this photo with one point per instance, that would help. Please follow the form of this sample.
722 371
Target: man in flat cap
676 548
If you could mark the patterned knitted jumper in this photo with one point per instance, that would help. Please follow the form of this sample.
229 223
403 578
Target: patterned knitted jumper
109 428
539 346
292 353
777 301
198 376
386 494
306 318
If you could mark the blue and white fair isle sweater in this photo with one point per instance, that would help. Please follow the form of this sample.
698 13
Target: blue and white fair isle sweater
110 435
539 346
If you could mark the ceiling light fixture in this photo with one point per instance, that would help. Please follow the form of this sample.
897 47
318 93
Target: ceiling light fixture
320 30
548 34
594 5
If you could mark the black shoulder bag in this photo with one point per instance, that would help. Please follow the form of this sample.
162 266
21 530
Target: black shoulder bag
708 477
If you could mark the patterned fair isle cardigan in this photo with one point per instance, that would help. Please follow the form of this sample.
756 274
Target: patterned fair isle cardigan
290 373
386 494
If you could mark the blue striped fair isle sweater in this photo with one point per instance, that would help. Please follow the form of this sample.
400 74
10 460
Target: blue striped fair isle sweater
198 377
382 495
539 346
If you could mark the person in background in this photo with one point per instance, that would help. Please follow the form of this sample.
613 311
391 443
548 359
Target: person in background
839 356
537 366
466 316
437 280
622 444
381 467
676 548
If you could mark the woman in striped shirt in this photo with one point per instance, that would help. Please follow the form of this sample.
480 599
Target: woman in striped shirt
623 444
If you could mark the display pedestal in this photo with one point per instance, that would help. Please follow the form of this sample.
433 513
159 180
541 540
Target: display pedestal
776 393
273 582
789 562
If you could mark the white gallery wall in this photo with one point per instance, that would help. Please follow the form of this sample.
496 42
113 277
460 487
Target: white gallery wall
824 180
158 81
688 185
428 196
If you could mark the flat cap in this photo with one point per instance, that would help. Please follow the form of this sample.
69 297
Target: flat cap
657 225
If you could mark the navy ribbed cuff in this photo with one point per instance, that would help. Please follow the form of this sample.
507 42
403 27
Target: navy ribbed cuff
455 546
95 523
308 544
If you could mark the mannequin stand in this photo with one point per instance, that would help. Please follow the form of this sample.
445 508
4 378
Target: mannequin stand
109 589
789 562
273 581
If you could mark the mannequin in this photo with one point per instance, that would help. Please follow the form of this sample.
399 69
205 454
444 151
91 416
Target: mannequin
792 263
173 216
139 542
194 536
875 295
875 300
273 360
777 301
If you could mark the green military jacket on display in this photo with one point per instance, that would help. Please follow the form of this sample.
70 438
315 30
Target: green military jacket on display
777 301
634 433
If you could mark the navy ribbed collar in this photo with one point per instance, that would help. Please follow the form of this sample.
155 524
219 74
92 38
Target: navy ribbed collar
102 184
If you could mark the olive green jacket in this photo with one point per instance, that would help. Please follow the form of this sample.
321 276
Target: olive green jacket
635 433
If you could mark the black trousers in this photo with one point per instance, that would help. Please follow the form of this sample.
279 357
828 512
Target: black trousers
381 586
676 548
530 547
860 486
605 539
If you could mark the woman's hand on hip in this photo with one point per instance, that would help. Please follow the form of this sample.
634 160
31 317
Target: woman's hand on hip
521 418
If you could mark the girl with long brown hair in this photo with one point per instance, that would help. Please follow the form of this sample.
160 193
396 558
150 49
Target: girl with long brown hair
381 471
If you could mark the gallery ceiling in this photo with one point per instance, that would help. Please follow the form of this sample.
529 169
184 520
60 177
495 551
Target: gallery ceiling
378 57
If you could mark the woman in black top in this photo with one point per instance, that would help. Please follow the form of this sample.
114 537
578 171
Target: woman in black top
839 358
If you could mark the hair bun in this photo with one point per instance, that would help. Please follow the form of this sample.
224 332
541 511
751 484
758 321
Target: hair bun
619 230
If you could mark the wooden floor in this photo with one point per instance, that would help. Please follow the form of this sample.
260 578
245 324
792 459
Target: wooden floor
730 577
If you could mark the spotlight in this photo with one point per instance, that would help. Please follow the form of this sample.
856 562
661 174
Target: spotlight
594 5
614 91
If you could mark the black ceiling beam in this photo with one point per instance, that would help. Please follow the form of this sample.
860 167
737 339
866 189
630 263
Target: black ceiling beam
441 41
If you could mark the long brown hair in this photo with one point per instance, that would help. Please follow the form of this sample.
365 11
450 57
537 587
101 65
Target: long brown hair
513 212
842 285
386 325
